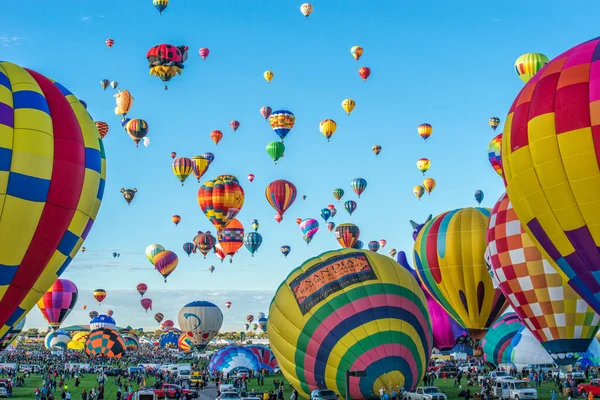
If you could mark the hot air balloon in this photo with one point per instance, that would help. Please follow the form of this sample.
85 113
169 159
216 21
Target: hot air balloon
330 226
160 5
165 61
448 253
527 65
146 304
48 212
306 9
219 252
104 83
376 149
418 191
529 282
12 334
425 131
84 307
250 318
374 304
478 196
173 155
281 194
141 288
382 243
211 268
200 321
188 248
102 128
204 242
115 254
58 302
109 313
348 105
298 221
252 241
496 344
275 150
327 128
423 164
228 304
137 129
251 177
255 225
350 206
285 250
234 125
182 168
325 214
254 327
282 122
494 122
338 193
210 157
93 314
110 42
392 252
347 235
232 358
309 228
105 342
99 295
266 111
358 185
265 357
176 219
429 185
373 245
152 250
199 166
124 101
168 324
169 338
114 84
262 322
128 194
83 249
364 73
216 136
221 200
57 340
333 210
204 52
165 263
231 238
356 52
495 154
159 317
268 75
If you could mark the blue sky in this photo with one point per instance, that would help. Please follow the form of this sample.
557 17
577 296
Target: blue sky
449 64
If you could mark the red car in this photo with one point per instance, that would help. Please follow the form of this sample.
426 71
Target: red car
168 390
593 387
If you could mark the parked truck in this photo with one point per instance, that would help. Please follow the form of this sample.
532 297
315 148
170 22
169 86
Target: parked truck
425 393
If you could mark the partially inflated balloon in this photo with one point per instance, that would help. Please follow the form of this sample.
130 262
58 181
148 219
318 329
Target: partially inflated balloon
449 258
231 358
350 310
200 321
496 344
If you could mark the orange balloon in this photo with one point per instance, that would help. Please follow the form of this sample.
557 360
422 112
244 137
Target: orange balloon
176 219
216 136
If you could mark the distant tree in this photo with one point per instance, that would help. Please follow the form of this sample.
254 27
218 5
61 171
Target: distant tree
32 332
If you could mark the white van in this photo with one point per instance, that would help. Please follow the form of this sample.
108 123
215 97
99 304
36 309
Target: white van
184 371
546 368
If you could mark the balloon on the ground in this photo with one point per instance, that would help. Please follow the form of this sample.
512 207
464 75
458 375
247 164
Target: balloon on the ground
233 357
57 340
496 344
367 314
526 349
265 356
102 321
169 338
105 342
200 321
77 342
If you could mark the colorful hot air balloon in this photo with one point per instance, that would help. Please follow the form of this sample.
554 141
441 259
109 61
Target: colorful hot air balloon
478 196
200 321
250 318
83 249
204 242
347 235
306 9
58 302
221 200
527 65
268 75
330 226
104 83
109 313
281 194
105 342
275 150
285 250
282 122
109 42
251 177
199 166
128 194
166 60
231 238
54 175
204 52
211 268
99 295
392 252
373 317
160 5
182 168
165 263
325 214
348 105
188 248
550 166
494 122
350 206
102 128
141 288
173 155
496 344
358 185
158 317
327 128
298 221
495 153
210 157
382 243
228 304
364 73
418 191
423 164
309 228
338 193
152 250
255 224
124 101
356 52
114 84
262 322
216 136
266 111
530 284
231 358
12 334
425 131
376 149
146 304
449 259
373 245
429 185
234 125
176 219
252 241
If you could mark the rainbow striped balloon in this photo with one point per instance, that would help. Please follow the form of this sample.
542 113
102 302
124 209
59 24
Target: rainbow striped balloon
165 262
496 344
363 313
495 153
52 174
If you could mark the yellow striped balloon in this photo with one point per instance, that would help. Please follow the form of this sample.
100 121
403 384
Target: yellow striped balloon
529 64
350 310
52 174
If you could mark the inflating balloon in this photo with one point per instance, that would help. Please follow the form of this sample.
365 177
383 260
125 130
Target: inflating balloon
496 344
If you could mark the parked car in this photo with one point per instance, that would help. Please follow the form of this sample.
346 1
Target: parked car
577 376
495 375
229 396
425 393
593 387
323 395
168 390
450 370
242 373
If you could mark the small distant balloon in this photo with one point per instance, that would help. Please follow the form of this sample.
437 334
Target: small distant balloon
306 9
479 196
204 52
364 73
268 75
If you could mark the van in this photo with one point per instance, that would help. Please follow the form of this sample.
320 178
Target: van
184 371
521 390
495 375
500 388
546 368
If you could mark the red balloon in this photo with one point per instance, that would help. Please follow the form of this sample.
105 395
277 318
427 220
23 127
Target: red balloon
364 72
142 288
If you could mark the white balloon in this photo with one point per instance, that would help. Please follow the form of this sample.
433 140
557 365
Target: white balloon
201 321
146 141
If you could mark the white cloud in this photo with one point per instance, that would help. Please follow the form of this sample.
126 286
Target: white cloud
8 40
86 18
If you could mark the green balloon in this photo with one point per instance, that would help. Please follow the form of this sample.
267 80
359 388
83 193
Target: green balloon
275 150
338 193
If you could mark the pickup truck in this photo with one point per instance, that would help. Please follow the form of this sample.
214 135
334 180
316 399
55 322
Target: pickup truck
425 393
577 376
593 387
168 390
